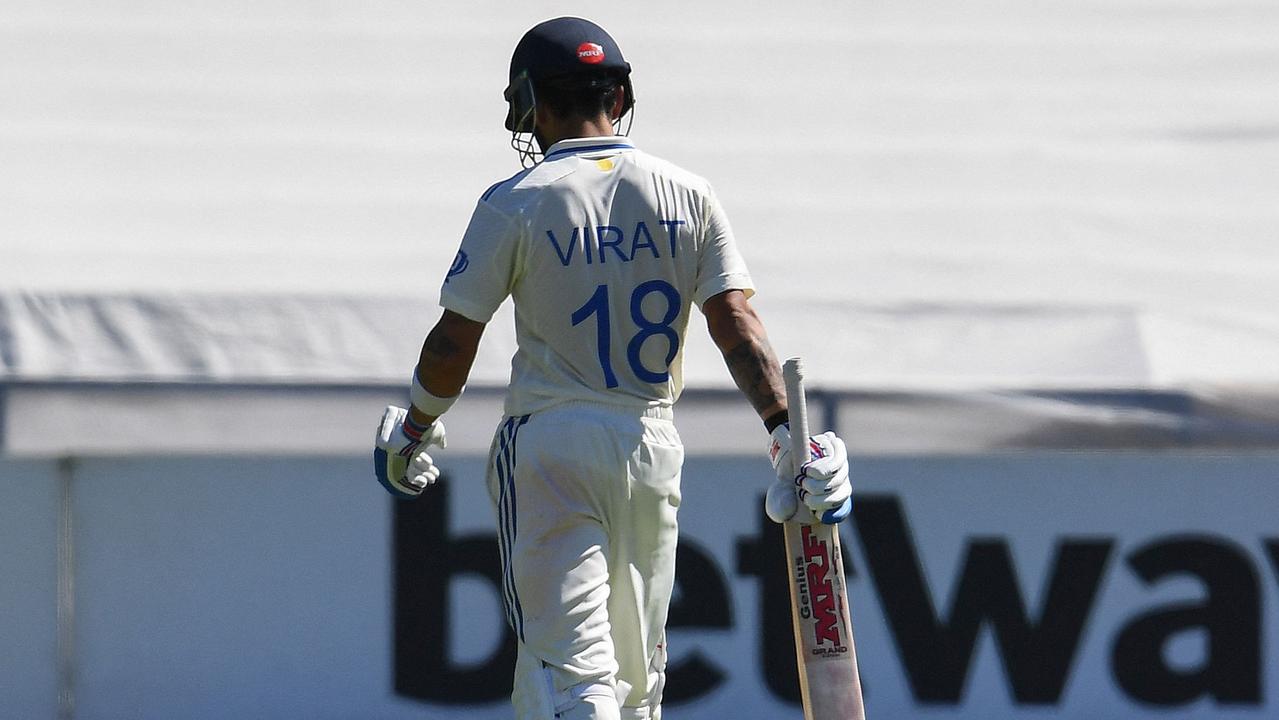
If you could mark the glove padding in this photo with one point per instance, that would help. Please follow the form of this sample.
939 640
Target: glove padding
820 491
399 457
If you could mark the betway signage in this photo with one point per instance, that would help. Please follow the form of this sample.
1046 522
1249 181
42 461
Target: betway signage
1045 586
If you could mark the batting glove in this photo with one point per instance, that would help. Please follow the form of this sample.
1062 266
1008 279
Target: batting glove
399 457
820 491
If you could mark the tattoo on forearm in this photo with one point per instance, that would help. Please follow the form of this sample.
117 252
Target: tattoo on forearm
438 347
756 372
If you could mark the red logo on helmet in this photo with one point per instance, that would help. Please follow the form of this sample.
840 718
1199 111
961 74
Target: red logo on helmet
589 52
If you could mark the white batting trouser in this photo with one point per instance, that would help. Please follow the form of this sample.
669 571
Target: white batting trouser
586 498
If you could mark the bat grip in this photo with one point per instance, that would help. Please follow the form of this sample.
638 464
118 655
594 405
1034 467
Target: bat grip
793 376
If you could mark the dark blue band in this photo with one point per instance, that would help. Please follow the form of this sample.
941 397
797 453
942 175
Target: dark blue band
591 148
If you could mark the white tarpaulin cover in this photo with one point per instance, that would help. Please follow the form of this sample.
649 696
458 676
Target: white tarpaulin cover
932 196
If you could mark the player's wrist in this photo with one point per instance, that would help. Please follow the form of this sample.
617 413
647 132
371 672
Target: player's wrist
414 430
777 419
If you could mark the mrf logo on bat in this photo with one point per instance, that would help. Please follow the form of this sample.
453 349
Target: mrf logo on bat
818 602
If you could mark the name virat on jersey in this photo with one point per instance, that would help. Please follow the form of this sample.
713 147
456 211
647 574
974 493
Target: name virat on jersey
603 243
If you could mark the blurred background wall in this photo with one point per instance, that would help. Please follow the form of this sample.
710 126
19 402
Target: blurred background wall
1026 248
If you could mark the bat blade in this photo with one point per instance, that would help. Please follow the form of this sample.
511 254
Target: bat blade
830 686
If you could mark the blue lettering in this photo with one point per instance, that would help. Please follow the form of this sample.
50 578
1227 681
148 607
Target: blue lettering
565 257
601 232
642 229
672 227
613 237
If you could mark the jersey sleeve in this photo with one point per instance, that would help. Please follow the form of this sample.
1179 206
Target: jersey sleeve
720 266
485 267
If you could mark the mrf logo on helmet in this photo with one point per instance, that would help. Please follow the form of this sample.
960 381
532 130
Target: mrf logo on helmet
560 48
589 52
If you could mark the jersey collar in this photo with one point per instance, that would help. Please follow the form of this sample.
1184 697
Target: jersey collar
582 146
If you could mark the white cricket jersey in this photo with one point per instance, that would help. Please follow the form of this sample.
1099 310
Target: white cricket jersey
603 249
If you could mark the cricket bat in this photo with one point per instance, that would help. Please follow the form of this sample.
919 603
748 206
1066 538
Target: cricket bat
828 681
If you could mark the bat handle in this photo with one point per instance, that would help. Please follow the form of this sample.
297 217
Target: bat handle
793 376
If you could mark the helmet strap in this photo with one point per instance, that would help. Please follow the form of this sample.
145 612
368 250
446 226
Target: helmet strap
622 125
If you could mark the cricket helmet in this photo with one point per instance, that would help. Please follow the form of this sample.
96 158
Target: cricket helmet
563 48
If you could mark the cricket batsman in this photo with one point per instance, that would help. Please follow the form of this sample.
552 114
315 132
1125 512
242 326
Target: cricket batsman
604 249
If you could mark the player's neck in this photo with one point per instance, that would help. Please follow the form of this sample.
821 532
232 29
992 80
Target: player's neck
556 130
